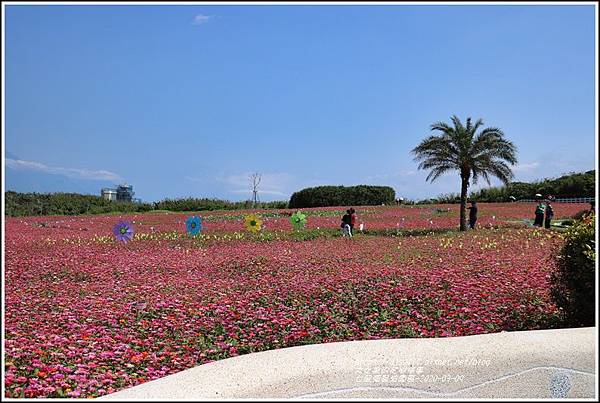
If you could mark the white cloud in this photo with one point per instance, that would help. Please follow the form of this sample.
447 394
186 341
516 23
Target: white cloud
526 167
68 172
201 19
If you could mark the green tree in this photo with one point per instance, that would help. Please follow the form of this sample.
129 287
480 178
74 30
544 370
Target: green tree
474 155
361 195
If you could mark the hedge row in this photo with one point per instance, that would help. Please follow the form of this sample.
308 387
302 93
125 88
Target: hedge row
34 204
324 196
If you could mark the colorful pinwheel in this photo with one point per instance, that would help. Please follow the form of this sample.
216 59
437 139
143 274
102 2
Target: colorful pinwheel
194 225
253 223
298 220
123 231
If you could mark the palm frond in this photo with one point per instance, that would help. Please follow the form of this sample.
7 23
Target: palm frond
457 123
437 172
475 156
442 126
473 128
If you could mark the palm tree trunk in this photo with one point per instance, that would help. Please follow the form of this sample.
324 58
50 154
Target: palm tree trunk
463 201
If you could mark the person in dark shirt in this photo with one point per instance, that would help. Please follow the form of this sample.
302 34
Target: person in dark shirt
472 214
352 220
346 220
549 215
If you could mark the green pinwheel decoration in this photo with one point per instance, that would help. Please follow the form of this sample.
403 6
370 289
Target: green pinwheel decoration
298 220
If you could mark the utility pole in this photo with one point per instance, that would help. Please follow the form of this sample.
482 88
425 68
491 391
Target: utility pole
255 179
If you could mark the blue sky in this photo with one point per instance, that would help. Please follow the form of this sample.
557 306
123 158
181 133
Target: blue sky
189 100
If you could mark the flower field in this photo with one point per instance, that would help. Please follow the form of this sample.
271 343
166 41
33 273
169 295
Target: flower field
86 315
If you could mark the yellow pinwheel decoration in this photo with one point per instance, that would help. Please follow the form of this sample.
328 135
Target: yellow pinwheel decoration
253 223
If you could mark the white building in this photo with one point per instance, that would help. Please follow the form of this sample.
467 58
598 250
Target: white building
109 194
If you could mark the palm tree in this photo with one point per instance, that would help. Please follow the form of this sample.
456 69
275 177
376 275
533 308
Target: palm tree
473 155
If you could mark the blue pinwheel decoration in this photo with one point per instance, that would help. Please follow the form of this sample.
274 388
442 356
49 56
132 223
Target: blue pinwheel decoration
193 225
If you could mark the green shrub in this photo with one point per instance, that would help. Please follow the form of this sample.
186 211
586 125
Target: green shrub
573 280
325 196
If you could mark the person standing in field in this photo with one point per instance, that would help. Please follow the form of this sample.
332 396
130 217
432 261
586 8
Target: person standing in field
539 214
472 214
352 220
346 219
549 215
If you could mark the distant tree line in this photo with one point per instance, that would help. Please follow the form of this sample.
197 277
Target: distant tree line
446 198
570 185
324 196
194 204
34 204
31 204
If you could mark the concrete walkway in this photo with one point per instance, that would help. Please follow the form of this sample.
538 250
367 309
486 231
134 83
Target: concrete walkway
529 364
